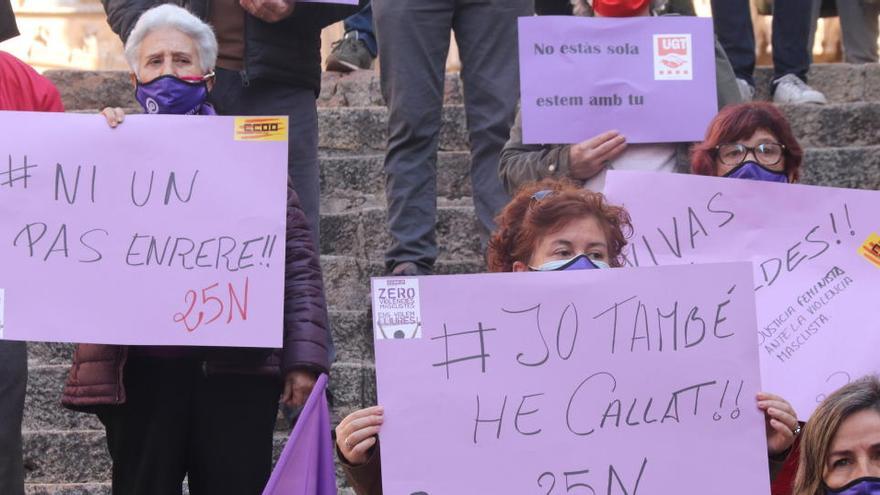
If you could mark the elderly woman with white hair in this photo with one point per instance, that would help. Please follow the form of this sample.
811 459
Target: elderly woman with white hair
204 414
172 54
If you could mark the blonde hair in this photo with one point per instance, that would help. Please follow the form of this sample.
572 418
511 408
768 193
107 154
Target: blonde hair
822 427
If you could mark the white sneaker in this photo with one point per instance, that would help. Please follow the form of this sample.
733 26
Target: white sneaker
746 90
790 89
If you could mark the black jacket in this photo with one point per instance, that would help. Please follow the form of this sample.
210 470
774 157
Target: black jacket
288 51
8 29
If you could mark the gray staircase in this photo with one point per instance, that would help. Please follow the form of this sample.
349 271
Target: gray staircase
65 452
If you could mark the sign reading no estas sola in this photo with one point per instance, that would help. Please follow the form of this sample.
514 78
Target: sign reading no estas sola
651 78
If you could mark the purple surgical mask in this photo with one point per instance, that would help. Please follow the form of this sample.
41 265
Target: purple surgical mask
754 171
171 95
859 486
579 262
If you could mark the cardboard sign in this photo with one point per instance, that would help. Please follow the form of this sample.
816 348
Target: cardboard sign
816 281
167 230
593 381
583 76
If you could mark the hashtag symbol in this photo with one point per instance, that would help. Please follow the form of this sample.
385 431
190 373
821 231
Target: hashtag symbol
15 174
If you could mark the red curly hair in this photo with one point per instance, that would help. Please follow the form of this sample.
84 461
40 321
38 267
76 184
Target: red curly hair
738 122
525 220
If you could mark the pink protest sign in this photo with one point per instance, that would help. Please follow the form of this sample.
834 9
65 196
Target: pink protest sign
816 268
595 381
582 76
169 230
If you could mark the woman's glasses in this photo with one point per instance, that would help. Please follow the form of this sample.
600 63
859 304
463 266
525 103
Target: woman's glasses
735 153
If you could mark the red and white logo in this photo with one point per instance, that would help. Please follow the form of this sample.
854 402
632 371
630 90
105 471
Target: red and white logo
673 57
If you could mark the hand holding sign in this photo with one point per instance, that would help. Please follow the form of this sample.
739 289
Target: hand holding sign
588 158
356 433
781 422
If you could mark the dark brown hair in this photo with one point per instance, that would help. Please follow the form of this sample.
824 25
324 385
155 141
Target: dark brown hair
525 220
737 122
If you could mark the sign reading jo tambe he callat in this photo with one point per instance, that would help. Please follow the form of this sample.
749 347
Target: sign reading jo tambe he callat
816 260
600 381
168 230
651 78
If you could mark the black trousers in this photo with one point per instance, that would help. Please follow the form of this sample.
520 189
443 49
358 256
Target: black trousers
215 429
13 381
791 35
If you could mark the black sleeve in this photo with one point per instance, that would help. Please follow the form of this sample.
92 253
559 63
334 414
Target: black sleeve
8 28
123 14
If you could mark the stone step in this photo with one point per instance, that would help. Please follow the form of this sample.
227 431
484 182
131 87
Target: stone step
67 489
66 456
354 175
361 232
856 167
347 278
356 180
841 83
347 328
362 130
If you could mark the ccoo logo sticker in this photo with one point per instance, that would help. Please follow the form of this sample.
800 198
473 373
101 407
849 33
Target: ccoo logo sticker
261 128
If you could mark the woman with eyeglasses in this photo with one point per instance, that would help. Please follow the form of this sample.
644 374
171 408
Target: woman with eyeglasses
548 226
749 141
840 449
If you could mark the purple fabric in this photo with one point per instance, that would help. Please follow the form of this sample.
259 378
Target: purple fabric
172 95
860 486
306 463
754 171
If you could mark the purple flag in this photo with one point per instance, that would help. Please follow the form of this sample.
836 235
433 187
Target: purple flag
306 464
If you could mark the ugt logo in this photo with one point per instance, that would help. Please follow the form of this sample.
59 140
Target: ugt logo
673 57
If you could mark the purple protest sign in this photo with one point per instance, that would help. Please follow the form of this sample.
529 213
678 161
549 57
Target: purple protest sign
816 257
651 78
603 381
168 230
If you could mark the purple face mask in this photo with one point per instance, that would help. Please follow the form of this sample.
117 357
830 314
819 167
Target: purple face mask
171 95
754 171
859 486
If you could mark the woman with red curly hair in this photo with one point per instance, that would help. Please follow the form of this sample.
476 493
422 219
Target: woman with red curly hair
749 141
558 225
547 226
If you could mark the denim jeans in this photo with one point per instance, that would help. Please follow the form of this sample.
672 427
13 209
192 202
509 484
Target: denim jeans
362 24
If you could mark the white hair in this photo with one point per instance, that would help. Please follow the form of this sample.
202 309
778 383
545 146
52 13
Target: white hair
174 17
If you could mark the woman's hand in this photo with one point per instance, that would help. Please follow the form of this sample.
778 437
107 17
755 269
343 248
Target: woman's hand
269 10
589 157
781 422
356 434
298 384
114 116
